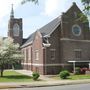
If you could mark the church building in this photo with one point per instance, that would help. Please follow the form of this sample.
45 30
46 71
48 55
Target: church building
56 45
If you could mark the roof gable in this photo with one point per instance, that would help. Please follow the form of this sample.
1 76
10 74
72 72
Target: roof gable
50 27
72 9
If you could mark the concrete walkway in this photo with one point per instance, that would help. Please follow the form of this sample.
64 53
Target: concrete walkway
29 73
25 72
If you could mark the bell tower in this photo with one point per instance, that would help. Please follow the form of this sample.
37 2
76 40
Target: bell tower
15 29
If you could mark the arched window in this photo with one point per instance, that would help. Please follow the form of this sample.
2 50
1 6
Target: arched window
16 30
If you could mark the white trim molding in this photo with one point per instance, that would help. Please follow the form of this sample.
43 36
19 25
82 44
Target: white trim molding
67 39
77 49
35 64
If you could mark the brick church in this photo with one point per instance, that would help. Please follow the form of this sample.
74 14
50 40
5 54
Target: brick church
52 47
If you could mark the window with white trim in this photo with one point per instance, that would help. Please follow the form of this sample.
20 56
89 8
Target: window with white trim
29 53
36 54
25 54
52 54
78 54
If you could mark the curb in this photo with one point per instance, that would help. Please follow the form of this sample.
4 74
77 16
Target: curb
45 84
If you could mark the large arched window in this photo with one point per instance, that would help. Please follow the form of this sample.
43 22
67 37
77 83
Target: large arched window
16 29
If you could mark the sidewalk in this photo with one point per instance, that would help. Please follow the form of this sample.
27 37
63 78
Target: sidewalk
46 82
42 84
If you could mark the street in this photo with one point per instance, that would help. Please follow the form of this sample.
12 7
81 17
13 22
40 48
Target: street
65 87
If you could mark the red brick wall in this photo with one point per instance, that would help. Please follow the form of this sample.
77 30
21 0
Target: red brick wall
27 52
37 45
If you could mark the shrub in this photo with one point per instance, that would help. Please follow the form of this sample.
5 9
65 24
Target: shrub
83 70
64 74
35 75
77 71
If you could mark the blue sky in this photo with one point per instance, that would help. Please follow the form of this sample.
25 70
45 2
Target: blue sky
34 16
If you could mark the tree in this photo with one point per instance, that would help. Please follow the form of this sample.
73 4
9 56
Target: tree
86 4
24 1
9 53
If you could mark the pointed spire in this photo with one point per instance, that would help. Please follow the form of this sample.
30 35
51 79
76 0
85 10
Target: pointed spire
12 12
74 3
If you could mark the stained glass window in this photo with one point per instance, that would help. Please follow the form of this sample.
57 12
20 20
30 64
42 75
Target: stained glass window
76 30
16 30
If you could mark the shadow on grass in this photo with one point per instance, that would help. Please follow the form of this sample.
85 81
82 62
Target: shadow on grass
17 77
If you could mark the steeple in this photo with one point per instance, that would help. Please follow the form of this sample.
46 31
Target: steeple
12 12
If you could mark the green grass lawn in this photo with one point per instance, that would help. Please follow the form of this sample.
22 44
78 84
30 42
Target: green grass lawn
12 76
73 77
77 77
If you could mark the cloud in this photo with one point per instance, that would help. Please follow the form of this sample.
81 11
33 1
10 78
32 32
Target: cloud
5 7
54 7
51 6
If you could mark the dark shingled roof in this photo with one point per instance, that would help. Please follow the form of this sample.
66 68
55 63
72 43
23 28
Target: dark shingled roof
50 27
45 30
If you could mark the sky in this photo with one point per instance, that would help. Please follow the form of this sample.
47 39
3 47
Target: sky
34 16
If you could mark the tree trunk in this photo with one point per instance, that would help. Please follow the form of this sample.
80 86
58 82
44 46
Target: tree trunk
2 69
1 73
